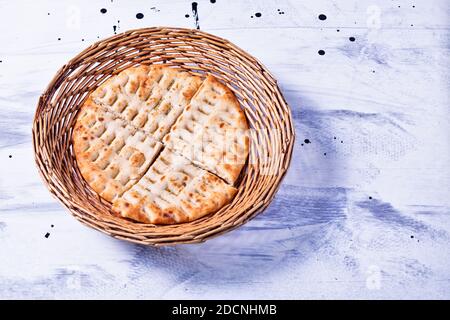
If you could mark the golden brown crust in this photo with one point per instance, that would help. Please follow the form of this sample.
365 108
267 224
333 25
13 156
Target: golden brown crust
173 190
111 155
115 142
212 131
149 98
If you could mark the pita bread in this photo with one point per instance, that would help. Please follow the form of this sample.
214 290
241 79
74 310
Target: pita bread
127 121
150 98
111 155
173 190
212 131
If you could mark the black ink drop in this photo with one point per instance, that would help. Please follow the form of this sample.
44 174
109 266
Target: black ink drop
412 237
258 14
334 138
321 52
337 30
195 13
352 39
10 156
342 141
322 17
52 225
324 153
212 1
59 39
139 15
307 141
370 198
103 10
186 15
114 29
47 235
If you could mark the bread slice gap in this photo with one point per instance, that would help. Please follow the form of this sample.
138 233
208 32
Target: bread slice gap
173 190
111 155
212 131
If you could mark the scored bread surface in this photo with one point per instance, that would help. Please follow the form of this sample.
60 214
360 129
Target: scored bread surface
212 131
111 155
173 190
150 98
126 122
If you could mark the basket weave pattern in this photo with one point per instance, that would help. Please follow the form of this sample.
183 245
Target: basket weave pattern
272 134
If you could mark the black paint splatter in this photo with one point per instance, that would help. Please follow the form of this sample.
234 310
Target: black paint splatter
212 1
370 198
334 138
280 12
139 15
47 235
373 71
322 17
258 14
342 141
321 52
186 15
195 13
412 237
52 225
337 30
352 39
114 29
59 39
307 141
48 13
82 39
324 153
10 156
103 10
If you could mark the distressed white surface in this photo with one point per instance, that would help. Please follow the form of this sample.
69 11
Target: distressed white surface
322 237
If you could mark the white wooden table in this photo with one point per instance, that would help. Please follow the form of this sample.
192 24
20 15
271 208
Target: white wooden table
364 211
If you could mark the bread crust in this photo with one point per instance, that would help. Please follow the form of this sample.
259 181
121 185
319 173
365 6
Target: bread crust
111 155
212 131
174 190
126 122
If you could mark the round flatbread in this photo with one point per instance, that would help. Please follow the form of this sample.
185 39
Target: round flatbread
162 145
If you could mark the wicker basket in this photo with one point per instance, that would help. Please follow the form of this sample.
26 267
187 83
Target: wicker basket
199 53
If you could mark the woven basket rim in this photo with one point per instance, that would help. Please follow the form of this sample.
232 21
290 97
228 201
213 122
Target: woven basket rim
93 214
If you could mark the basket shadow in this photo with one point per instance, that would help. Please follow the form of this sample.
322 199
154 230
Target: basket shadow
292 229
